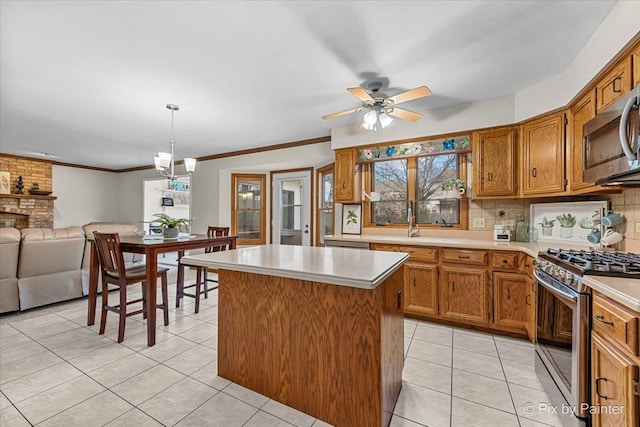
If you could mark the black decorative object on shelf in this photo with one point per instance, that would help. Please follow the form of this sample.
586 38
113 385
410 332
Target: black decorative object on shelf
19 185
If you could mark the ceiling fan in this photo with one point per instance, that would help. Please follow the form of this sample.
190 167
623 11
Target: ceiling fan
381 107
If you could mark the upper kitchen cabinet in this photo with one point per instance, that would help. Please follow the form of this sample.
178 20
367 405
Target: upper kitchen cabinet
543 150
614 84
494 163
344 178
583 111
635 57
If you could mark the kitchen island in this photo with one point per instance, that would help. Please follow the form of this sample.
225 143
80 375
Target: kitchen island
318 329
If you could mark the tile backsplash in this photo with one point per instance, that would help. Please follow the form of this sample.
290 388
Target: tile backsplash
626 203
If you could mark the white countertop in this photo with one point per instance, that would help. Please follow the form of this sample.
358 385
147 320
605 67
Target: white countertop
620 289
530 248
339 266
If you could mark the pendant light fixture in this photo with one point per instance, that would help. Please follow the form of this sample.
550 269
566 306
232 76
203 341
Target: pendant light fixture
165 162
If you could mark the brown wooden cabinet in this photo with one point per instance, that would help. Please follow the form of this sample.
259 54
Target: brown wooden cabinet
345 171
614 84
583 111
510 299
635 58
494 160
464 294
531 300
421 288
543 148
614 385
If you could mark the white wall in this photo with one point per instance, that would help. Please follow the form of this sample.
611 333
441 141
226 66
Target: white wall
211 183
84 195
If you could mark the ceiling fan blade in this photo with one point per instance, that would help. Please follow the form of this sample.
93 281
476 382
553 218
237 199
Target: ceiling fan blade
410 95
360 93
405 114
341 113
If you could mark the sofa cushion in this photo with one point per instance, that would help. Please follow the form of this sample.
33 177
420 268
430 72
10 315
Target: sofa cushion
46 251
9 295
47 289
9 250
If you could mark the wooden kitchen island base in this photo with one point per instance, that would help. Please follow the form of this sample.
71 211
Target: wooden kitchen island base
334 352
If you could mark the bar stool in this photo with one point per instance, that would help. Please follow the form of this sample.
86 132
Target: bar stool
114 272
202 277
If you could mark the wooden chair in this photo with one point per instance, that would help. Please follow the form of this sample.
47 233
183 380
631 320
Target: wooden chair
202 278
114 272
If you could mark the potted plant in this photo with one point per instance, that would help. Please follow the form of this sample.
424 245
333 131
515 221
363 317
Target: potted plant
567 221
455 187
169 224
547 226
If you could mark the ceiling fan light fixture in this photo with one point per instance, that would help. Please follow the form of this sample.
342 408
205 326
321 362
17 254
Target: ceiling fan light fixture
370 117
385 119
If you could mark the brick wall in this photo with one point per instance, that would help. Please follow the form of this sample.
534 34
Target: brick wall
30 170
27 212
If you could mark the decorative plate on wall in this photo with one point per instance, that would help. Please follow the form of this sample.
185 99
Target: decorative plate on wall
565 222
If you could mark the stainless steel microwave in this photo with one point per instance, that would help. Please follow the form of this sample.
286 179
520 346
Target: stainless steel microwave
611 155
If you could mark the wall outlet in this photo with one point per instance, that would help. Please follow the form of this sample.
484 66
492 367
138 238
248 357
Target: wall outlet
509 222
478 222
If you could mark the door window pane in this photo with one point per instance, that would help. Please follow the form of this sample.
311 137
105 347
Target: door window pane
248 213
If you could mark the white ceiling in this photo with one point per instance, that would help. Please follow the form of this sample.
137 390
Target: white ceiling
88 81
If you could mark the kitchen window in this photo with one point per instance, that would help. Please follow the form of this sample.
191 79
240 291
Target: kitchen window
417 179
248 208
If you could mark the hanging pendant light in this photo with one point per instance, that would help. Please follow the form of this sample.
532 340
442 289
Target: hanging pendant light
165 162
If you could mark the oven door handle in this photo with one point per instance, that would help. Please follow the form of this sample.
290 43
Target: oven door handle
555 289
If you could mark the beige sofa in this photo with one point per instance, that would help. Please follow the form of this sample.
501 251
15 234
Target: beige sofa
49 265
106 227
9 251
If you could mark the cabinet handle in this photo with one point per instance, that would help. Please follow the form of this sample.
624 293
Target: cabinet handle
453 286
526 300
618 89
399 296
344 185
414 281
605 397
534 172
508 293
601 319
489 177
463 256
504 261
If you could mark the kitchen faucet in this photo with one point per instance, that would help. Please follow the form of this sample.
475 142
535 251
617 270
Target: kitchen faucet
414 231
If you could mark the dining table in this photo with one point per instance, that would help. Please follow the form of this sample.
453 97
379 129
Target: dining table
151 248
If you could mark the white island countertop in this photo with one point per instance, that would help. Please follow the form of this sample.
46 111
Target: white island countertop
620 289
339 266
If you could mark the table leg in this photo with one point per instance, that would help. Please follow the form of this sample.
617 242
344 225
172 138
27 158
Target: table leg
94 267
179 280
151 291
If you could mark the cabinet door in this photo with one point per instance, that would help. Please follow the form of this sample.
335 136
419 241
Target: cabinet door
494 161
344 175
613 85
612 386
464 294
581 113
421 289
543 170
635 57
531 300
510 301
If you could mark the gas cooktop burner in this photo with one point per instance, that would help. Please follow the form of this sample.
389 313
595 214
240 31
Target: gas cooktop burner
596 263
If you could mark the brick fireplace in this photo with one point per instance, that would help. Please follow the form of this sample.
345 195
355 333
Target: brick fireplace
24 210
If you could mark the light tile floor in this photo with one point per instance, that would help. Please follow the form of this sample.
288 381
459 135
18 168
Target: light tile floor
56 371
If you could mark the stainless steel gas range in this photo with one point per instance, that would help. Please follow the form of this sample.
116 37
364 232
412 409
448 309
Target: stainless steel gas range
564 323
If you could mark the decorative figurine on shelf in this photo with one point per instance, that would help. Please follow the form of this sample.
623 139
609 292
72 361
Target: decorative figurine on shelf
19 185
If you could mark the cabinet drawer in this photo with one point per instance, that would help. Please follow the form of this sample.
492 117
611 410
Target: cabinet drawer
612 321
417 253
464 256
504 260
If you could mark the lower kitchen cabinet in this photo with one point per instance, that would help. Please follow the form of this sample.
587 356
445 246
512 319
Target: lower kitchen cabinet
464 294
510 308
614 386
421 289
